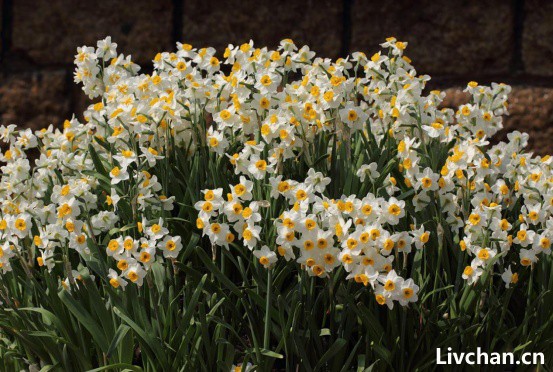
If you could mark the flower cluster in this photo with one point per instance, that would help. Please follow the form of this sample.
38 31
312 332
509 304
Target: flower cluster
382 98
334 164
362 235
511 208
91 182
320 233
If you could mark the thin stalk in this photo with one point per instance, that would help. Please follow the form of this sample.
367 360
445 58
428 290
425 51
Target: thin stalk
332 306
529 298
402 348
267 308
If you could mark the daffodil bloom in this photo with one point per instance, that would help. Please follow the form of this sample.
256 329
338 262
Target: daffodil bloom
118 174
265 256
115 280
368 170
509 277
171 246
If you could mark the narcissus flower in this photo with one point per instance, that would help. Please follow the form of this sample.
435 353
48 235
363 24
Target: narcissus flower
265 256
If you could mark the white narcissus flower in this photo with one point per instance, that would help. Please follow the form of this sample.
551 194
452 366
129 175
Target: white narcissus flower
151 155
171 246
317 180
509 277
7 132
115 280
227 117
115 247
484 255
393 210
135 273
125 158
368 170
217 232
391 282
391 185
157 231
409 292
46 258
250 235
216 141
118 174
542 243
258 167
427 180
113 199
420 237
243 189
267 82
8 251
242 368
434 130
20 225
106 49
265 256
26 139
350 114
104 220
472 273
527 257
524 237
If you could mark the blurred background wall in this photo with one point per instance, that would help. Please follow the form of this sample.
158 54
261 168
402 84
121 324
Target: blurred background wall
454 41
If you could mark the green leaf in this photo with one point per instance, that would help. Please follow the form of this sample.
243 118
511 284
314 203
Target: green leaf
521 347
98 165
334 349
216 272
85 319
150 344
271 354
117 338
117 366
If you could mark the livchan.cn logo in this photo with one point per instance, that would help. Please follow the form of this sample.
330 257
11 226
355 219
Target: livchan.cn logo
480 357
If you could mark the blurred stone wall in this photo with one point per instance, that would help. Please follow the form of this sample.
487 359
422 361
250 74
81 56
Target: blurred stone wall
454 41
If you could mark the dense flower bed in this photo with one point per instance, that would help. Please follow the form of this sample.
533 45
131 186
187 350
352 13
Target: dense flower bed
328 166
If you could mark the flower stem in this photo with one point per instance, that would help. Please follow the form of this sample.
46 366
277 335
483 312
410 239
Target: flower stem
267 308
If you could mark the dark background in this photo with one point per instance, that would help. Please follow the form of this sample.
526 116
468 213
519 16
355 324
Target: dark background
507 41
